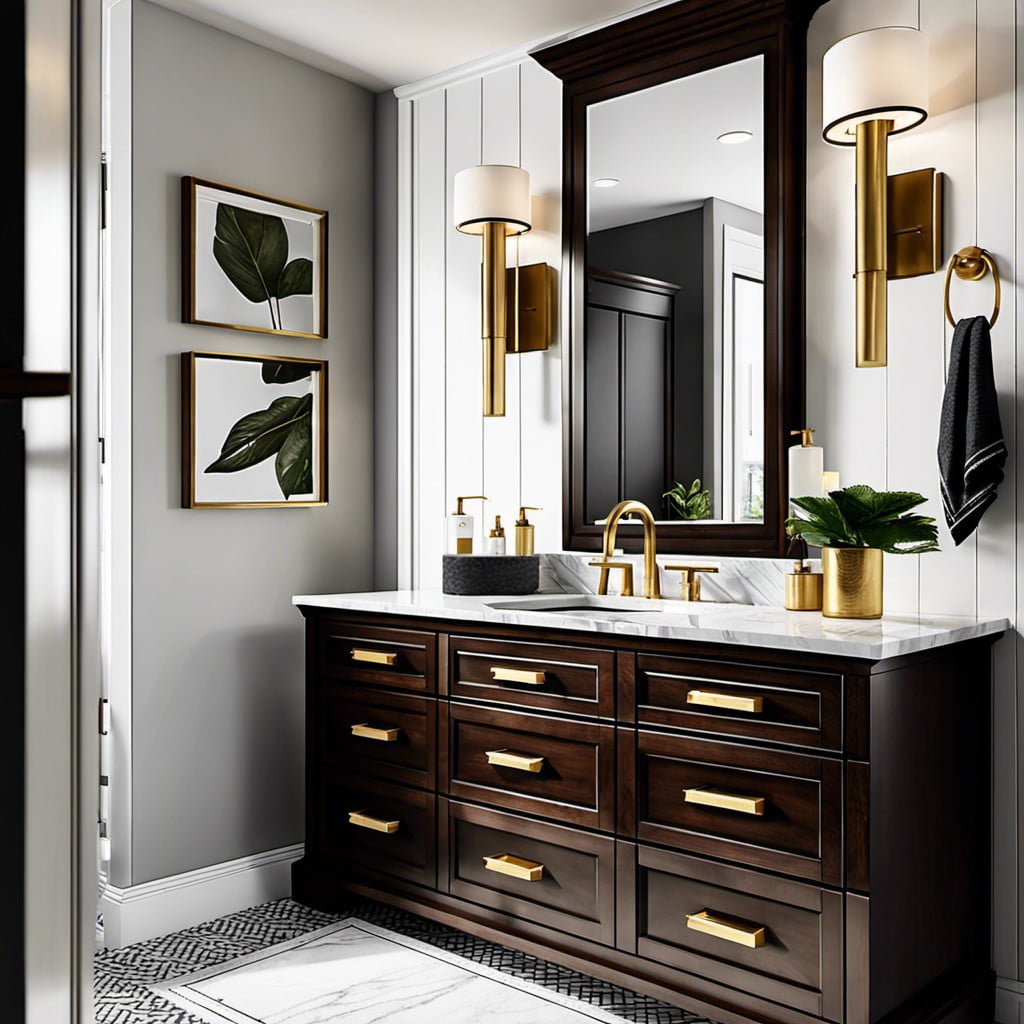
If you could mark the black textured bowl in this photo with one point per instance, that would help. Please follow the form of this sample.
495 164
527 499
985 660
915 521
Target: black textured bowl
473 575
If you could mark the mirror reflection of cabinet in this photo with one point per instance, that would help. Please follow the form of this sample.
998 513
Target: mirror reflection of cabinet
628 367
653 189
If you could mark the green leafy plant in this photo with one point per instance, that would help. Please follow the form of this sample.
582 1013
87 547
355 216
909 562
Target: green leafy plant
861 517
252 250
284 430
693 502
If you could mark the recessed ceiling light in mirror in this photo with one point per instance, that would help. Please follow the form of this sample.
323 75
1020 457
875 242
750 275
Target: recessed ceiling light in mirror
605 182
735 138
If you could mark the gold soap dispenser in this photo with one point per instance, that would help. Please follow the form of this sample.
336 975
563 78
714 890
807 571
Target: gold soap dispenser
524 530
804 587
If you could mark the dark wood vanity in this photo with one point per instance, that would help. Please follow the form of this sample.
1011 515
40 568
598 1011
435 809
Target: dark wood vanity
750 833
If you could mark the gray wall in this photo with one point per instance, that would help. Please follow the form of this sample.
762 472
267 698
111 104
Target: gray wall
218 650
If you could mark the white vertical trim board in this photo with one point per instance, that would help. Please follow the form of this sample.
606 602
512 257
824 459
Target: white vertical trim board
139 912
407 506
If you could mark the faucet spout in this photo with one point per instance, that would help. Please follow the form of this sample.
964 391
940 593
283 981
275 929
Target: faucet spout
652 582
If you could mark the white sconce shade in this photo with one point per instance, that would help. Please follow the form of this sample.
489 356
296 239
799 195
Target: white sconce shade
877 75
489 194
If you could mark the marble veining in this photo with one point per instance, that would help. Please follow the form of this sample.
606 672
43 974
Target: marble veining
745 625
359 973
759 581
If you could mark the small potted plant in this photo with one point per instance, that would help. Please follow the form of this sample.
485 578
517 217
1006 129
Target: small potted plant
853 526
693 502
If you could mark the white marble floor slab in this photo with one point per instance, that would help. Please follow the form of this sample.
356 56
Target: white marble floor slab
359 973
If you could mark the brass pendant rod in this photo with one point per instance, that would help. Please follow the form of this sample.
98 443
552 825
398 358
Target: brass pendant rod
872 242
493 318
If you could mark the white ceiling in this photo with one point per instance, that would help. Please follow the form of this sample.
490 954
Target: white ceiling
380 44
661 143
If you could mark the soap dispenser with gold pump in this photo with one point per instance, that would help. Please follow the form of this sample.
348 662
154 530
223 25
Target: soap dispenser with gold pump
496 540
459 527
524 530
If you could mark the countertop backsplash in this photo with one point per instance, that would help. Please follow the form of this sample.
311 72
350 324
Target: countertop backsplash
757 581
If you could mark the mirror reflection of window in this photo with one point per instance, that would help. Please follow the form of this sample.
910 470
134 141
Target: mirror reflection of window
673 367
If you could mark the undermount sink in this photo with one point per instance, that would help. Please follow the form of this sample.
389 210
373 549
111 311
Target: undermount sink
592 606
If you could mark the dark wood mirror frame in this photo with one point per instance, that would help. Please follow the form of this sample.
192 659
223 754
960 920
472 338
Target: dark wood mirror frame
673 42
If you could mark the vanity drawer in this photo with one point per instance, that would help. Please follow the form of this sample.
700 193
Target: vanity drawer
760 702
776 810
543 874
756 933
376 732
579 680
547 766
378 827
402 659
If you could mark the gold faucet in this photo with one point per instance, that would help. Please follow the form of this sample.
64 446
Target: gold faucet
652 583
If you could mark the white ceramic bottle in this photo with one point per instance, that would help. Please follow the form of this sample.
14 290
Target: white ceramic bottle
459 528
806 465
496 541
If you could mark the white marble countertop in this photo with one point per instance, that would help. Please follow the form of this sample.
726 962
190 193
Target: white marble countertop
747 625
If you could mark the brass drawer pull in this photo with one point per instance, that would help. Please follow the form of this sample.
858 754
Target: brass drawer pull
500 674
366 731
710 699
374 657
521 762
506 864
726 801
750 935
363 820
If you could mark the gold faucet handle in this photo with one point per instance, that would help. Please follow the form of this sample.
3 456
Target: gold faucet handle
627 575
691 579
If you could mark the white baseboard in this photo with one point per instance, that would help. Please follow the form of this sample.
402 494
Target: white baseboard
180 901
1009 1002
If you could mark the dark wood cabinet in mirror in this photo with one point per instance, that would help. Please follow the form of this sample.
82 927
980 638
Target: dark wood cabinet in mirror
684 366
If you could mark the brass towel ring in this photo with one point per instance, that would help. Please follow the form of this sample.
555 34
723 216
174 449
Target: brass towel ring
971 264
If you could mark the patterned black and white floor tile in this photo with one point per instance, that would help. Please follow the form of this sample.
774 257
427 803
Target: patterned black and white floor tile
123 976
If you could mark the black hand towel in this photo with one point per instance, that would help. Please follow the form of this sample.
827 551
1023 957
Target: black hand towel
971 447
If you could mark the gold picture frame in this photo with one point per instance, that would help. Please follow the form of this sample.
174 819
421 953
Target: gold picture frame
225 285
251 463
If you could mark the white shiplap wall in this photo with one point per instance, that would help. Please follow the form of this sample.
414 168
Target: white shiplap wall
878 426
509 115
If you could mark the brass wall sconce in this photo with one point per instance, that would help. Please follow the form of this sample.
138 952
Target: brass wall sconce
493 200
875 84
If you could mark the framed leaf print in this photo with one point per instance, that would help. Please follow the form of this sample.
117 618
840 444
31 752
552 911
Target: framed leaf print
251 262
254 431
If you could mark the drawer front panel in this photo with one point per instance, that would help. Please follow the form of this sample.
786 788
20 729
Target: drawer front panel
547 766
374 732
402 659
780 938
579 680
378 827
772 704
774 810
560 877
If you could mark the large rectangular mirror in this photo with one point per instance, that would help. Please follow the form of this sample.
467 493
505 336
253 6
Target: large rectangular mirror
683 222
673 347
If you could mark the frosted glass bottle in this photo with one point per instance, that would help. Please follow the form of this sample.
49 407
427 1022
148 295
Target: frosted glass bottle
806 465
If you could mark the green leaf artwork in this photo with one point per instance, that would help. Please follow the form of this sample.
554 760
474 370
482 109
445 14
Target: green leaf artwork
252 250
282 371
283 429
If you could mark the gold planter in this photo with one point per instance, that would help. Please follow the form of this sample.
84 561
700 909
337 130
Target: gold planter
853 583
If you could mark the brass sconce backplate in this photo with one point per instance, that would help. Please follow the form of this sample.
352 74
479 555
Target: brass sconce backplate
915 223
534 300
